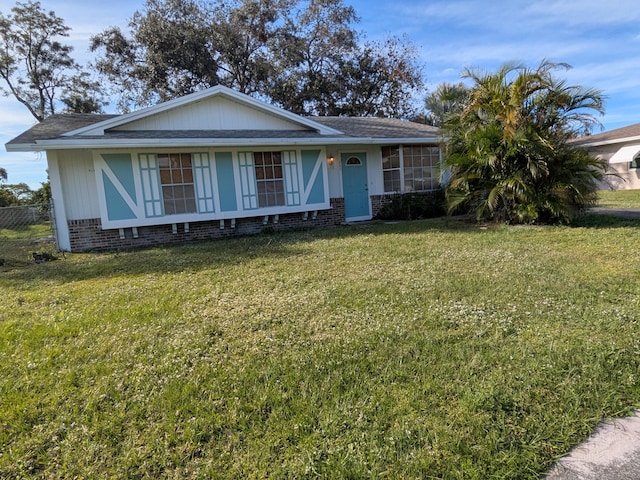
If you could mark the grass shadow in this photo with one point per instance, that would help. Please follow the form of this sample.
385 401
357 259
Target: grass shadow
218 253
606 220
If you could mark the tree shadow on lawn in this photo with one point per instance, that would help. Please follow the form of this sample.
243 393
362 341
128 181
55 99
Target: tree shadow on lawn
612 219
220 253
223 253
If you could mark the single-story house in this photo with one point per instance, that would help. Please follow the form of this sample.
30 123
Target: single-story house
218 163
621 150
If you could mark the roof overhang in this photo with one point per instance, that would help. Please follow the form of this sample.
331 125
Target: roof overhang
608 142
102 144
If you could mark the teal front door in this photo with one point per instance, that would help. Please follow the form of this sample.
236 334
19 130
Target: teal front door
355 186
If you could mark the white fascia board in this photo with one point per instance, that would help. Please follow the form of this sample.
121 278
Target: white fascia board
100 127
79 143
23 147
176 142
610 142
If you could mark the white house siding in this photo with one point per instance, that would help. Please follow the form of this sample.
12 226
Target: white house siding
79 184
374 168
374 164
212 114
619 174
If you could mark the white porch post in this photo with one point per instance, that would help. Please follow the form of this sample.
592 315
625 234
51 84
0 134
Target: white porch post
62 228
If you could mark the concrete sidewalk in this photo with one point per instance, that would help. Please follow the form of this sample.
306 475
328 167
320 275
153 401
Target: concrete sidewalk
611 453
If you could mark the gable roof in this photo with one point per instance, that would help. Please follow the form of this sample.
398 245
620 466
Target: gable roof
218 91
618 135
150 127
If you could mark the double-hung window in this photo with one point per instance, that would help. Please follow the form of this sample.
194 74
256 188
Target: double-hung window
176 179
410 168
269 179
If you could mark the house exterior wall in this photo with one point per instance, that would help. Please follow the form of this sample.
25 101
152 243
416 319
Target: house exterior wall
101 204
374 168
97 193
620 175
131 193
79 184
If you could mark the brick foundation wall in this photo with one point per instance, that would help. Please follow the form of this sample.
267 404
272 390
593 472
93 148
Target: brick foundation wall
379 201
87 235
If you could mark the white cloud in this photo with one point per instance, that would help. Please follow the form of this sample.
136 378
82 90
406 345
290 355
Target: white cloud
594 13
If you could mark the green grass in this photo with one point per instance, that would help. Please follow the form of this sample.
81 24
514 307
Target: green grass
26 232
429 349
620 198
18 244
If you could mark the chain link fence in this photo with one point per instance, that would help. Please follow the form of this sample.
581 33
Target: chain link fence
26 235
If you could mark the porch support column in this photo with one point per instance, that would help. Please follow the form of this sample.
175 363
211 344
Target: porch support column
61 227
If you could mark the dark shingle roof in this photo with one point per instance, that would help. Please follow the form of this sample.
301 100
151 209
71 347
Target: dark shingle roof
55 126
621 134
377 127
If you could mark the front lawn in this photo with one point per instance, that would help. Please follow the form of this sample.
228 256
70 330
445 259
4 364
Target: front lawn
428 349
619 198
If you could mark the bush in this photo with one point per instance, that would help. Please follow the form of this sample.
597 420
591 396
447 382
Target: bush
413 206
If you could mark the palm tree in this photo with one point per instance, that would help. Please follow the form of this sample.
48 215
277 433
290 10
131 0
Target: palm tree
508 151
447 99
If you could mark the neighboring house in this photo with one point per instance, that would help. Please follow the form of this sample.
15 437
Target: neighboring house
217 163
621 149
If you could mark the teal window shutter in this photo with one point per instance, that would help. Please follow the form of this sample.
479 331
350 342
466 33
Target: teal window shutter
312 177
226 182
119 186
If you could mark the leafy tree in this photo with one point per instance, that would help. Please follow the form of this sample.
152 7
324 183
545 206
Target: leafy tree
508 151
170 53
311 54
381 80
20 193
37 69
6 198
447 100
42 196
247 36
303 55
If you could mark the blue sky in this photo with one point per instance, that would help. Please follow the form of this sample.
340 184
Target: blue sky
600 39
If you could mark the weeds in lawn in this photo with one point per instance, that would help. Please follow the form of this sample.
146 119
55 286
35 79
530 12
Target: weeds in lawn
429 349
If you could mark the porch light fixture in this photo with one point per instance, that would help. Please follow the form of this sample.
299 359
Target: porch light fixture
330 159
